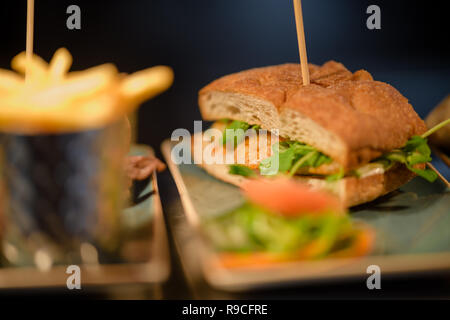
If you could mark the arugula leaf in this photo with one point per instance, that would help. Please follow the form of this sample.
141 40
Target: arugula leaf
426 173
396 156
415 151
436 128
322 159
305 160
336 176
238 129
291 156
241 170
417 157
280 160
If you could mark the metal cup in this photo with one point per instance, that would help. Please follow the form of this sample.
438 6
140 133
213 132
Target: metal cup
61 191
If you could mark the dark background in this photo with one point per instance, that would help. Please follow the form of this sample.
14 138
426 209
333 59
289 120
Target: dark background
204 39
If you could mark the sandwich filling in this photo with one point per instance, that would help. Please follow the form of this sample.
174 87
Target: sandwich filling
295 158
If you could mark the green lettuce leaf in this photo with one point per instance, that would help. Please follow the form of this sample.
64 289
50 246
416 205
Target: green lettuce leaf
241 170
426 173
239 128
291 156
252 228
415 151
336 176
238 132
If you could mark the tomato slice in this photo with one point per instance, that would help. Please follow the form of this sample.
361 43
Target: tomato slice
290 198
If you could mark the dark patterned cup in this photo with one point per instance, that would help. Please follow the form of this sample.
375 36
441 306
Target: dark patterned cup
62 190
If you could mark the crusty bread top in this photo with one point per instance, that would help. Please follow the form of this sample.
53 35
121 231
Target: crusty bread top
278 83
369 117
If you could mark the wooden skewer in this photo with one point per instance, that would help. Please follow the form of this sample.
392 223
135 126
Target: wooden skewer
301 41
439 174
30 35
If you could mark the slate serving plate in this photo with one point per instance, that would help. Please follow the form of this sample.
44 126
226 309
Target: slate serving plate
145 239
412 227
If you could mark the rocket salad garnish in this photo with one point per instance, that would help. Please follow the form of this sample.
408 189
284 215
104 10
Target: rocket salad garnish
294 155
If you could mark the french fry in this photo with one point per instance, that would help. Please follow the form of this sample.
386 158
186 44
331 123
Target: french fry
60 64
77 85
38 70
54 100
145 84
10 81
101 109
30 119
